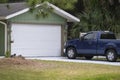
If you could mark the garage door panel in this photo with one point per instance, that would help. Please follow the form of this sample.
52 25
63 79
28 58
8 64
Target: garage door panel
36 40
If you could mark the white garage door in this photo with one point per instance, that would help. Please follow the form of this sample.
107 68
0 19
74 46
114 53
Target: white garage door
36 40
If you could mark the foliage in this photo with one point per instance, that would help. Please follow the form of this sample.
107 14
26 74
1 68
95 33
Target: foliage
3 1
94 14
42 12
99 15
7 54
64 4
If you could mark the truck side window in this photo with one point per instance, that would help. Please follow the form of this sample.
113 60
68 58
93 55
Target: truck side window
89 36
107 36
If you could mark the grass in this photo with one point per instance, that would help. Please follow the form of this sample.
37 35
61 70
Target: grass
104 59
51 70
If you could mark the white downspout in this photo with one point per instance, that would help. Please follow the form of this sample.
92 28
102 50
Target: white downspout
5 35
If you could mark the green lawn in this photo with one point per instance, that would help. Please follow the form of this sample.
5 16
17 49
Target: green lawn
48 70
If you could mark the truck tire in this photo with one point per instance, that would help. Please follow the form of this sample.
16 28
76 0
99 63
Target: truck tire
88 57
111 55
71 53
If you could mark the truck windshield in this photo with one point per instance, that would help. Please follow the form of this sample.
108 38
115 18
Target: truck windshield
107 36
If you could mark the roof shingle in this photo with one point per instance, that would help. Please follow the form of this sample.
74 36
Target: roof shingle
13 7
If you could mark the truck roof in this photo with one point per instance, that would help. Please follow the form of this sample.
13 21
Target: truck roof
102 32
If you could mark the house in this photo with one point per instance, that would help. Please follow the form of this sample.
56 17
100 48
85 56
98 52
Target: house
22 33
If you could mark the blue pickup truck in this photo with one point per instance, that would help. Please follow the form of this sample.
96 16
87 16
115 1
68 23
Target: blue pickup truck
94 43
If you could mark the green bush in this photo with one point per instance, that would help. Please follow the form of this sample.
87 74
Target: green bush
7 54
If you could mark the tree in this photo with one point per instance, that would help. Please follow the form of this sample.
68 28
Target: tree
99 15
3 1
64 4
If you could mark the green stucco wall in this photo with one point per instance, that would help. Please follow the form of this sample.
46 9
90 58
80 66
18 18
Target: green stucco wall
2 39
29 17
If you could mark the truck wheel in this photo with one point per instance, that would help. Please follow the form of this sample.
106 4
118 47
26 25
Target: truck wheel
71 53
88 57
111 55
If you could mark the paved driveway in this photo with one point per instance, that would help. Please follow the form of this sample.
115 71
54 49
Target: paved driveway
65 59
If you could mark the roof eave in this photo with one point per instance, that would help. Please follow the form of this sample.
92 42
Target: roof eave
69 17
17 13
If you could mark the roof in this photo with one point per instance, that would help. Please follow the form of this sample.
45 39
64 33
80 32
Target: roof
15 9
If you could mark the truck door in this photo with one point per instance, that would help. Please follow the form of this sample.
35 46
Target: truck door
88 44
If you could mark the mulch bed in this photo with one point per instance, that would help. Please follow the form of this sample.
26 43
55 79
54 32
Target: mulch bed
16 61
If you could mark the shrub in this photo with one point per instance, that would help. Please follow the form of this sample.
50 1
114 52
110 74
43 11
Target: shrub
7 54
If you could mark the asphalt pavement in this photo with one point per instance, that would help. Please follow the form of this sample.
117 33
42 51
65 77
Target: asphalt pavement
78 60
